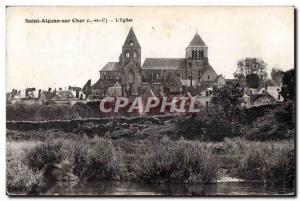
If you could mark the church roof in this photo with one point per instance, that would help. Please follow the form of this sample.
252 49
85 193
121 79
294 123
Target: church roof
165 63
131 38
197 41
111 66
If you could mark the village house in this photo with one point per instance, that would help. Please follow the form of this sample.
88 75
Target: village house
31 96
262 96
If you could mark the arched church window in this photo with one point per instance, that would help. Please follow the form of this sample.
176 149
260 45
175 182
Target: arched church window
196 56
208 77
127 54
193 54
135 55
200 54
131 43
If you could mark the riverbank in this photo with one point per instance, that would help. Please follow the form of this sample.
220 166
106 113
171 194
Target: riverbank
158 159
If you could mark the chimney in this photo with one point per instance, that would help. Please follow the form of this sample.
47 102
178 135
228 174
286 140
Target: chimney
40 92
49 89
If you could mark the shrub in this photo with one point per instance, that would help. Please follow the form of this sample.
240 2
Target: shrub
83 110
273 164
97 160
274 125
40 156
209 127
177 162
19 177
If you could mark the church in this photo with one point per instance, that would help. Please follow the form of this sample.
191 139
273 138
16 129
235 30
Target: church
129 77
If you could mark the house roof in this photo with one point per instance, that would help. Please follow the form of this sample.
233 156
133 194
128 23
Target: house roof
165 63
269 94
274 93
197 41
48 94
108 82
63 95
131 37
271 82
117 85
111 66
98 85
74 88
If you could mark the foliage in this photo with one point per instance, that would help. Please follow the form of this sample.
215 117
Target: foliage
227 100
44 154
277 74
177 162
253 80
19 176
97 160
157 160
275 124
210 127
249 66
288 85
25 112
274 164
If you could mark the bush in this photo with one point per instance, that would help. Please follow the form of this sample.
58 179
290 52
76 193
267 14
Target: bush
209 127
177 162
273 164
97 160
274 125
19 176
40 156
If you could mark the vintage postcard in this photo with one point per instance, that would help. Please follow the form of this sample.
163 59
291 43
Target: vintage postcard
150 101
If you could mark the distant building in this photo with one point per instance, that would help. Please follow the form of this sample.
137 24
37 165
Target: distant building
166 75
262 96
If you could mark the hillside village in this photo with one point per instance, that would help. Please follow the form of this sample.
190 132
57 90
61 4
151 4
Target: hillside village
191 75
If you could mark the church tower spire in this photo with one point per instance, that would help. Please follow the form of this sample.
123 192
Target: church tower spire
131 50
197 49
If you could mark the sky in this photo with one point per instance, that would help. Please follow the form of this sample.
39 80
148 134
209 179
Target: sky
57 55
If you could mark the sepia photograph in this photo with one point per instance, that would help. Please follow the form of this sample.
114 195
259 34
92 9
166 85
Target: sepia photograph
150 101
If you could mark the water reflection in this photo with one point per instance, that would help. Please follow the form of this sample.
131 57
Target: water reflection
130 188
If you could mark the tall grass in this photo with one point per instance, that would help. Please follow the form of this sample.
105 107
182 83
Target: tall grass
19 176
178 162
274 164
96 160
157 160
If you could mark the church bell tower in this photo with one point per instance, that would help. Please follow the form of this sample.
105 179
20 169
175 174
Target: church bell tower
196 56
131 50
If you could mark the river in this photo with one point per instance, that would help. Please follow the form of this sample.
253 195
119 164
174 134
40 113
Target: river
133 189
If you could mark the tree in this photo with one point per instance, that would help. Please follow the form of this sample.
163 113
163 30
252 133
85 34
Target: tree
249 66
227 99
288 85
253 81
277 74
